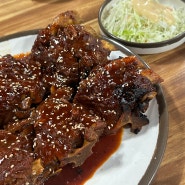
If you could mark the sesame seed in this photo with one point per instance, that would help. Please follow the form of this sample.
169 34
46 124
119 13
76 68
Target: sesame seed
59 132
6 174
11 155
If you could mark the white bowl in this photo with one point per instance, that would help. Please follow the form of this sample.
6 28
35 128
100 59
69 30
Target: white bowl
147 48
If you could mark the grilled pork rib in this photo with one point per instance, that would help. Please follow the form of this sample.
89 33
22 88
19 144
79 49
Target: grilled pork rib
119 92
21 86
62 97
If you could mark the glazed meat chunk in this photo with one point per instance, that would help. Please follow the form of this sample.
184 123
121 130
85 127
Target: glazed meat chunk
15 159
67 53
21 87
65 132
119 93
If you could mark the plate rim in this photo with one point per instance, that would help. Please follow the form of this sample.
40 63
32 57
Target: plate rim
160 148
163 124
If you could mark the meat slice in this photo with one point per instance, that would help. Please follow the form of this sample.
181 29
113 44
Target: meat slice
119 93
67 52
65 132
15 159
69 17
21 87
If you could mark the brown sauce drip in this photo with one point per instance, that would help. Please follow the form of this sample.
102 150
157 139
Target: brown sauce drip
79 175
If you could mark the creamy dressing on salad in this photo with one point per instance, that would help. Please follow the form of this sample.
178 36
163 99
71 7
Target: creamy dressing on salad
153 10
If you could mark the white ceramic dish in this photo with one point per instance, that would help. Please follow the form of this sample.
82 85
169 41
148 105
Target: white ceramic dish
147 48
139 156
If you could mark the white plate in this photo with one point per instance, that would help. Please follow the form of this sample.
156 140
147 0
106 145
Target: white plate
139 156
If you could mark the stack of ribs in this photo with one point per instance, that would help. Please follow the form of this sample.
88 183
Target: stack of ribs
57 101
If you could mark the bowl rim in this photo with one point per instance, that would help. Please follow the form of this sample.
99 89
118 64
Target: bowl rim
135 44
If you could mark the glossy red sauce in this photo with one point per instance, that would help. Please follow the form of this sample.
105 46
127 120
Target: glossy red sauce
21 55
79 175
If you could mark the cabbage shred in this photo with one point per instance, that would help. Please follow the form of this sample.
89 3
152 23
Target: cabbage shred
120 19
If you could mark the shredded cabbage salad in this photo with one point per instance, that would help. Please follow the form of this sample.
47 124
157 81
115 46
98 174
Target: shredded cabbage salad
120 19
